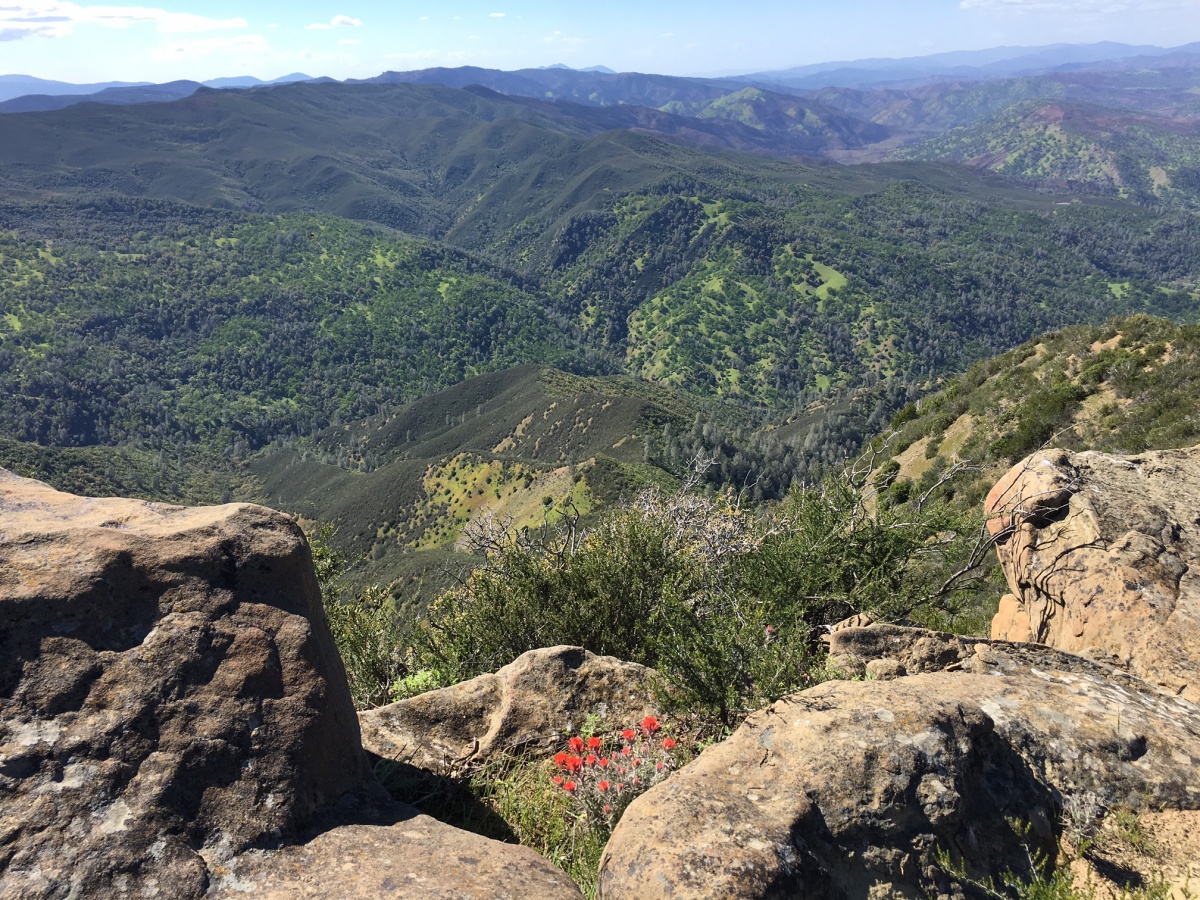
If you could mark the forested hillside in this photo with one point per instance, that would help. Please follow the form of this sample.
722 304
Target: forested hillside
245 293
1143 158
158 324
1127 386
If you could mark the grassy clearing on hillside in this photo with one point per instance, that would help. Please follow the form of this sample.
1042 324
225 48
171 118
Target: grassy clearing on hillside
1128 386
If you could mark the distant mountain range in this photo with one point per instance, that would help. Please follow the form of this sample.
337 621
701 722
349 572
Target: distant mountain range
996 62
971 107
600 85
38 94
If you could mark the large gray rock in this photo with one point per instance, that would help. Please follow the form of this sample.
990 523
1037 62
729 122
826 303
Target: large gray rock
1102 555
849 789
170 698
530 703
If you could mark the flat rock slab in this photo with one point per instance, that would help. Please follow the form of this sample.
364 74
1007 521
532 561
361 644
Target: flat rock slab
530 703
849 789
1102 556
416 859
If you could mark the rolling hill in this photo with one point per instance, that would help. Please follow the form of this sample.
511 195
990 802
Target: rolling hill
1081 148
1123 387
282 293
1156 89
756 281
527 446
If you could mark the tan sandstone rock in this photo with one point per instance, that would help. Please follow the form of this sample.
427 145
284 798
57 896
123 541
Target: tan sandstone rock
1102 555
850 788
361 861
170 697
529 703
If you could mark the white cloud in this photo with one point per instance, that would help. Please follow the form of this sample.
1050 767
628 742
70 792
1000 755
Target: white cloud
496 15
335 22
52 18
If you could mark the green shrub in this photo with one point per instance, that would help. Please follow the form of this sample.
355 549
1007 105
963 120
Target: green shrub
369 633
727 606
1040 417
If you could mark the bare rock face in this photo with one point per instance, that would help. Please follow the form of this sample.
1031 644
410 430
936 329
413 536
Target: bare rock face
1102 555
171 699
361 861
849 789
529 703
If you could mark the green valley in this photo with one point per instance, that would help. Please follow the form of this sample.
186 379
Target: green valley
403 309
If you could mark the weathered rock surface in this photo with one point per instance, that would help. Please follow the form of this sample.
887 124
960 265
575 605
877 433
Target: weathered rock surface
1103 559
361 861
170 698
529 703
849 789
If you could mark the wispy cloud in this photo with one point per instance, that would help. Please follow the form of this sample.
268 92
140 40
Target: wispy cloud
335 22
497 15
52 18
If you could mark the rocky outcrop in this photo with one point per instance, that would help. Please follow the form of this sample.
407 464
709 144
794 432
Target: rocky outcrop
417 858
850 789
173 711
1102 555
530 703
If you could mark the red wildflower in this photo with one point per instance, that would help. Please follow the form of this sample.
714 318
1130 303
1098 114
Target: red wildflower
650 725
602 786
603 762
593 743
574 764
558 779
636 763
658 765
560 759
607 808
625 751
669 743
628 734
569 786
590 759
576 744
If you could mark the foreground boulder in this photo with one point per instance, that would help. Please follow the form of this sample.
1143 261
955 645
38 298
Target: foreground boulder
850 789
530 703
417 858
1102 555
171 699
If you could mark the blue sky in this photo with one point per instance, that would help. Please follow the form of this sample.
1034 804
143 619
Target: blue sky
84 42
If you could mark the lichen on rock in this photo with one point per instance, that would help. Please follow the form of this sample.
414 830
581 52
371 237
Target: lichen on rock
175 719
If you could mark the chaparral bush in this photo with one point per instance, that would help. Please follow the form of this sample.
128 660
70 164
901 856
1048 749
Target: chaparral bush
729 606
